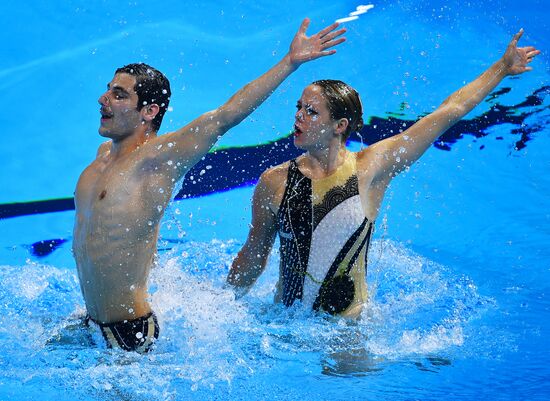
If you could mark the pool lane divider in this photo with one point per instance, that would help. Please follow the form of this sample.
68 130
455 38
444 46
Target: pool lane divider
36 207
227 168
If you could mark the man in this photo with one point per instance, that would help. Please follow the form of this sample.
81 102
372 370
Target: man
121 197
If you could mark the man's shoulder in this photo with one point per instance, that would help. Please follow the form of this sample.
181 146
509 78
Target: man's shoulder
104 147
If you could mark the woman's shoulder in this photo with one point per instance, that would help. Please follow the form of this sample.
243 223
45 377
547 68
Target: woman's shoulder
273 180
369 158
276 173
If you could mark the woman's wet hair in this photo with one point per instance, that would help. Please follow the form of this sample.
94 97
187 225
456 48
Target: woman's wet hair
343 102
152 86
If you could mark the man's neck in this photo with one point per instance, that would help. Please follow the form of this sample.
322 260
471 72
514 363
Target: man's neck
126 145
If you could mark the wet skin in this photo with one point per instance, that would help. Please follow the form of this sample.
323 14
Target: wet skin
322 137
119 203
121 196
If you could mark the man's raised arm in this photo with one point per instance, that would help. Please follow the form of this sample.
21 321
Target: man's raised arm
392 155
190 143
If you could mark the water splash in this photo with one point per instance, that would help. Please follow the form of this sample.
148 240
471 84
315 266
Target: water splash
211 343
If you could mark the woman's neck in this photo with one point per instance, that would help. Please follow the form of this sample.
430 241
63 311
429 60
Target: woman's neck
321 163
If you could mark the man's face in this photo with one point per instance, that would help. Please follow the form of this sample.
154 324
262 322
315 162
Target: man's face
119 114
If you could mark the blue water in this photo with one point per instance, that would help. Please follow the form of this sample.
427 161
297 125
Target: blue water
459 274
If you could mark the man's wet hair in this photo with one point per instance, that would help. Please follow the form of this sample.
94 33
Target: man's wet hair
152 86
343 102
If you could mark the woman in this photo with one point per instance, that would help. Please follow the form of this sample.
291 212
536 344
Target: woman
324 203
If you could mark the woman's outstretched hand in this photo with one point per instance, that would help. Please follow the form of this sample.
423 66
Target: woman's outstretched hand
516 58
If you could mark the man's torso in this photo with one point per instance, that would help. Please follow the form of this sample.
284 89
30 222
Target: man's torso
118 207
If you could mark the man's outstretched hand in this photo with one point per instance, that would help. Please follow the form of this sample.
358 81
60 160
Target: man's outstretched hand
304 48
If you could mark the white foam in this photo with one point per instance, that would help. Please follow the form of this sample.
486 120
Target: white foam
346 19
362 9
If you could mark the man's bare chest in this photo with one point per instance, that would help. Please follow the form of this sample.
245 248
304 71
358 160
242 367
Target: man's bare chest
103 184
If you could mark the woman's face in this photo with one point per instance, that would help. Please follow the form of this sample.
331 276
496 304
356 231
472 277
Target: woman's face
313 125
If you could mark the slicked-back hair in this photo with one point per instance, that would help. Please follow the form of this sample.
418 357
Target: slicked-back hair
152 87
343 102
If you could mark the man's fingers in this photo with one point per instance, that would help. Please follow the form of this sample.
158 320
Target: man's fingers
332 43
304 26
329 28
327 53
333 34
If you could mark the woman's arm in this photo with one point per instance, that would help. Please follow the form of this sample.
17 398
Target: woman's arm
252 258
390 156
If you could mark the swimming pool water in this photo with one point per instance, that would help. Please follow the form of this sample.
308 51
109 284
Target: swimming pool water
459 272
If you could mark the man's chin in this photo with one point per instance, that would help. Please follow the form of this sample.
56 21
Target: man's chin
104 132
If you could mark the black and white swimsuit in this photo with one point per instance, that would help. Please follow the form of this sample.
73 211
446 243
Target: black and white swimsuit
323 232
